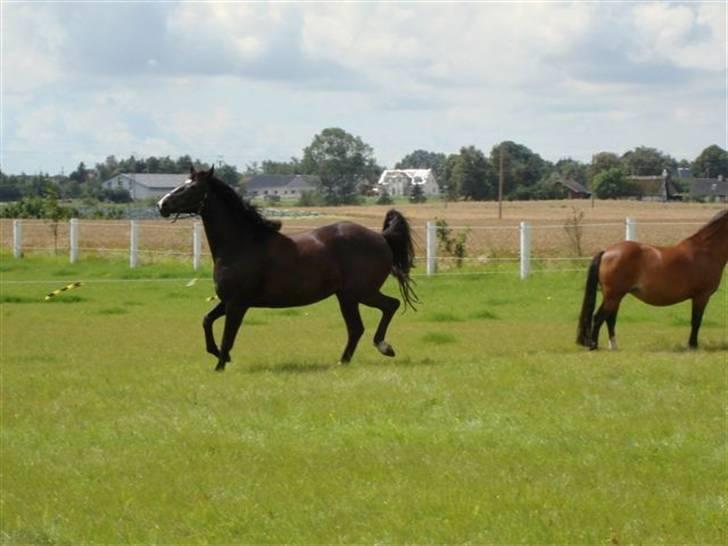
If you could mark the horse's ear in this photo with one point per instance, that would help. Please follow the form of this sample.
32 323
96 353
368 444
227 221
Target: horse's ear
211 171
192 170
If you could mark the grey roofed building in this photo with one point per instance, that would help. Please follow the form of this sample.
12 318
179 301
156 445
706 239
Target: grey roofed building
283 186
575 189
715 189
656 188
145 185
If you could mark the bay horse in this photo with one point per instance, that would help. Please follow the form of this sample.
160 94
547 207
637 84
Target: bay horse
690 270
257 266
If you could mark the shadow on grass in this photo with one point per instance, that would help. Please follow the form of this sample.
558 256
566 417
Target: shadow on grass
404 362
305 368
682 347
292 367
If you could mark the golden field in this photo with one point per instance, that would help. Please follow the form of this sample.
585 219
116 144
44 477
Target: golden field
488 238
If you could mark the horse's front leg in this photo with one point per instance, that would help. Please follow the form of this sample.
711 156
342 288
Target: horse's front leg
233 319
699 304
207 321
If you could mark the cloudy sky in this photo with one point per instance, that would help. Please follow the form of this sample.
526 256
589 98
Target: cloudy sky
255 81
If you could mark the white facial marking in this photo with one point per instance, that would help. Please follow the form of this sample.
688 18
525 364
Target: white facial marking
159 203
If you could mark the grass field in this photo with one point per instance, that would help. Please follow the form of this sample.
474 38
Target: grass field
490 425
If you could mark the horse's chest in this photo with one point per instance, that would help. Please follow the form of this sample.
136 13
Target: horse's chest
235 282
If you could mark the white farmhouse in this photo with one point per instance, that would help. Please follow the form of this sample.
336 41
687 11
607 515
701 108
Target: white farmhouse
399 182
145 185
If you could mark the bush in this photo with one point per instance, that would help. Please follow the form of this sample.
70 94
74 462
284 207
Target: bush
613 183
417 195
309 199
117 195
38 207
385 198
453 245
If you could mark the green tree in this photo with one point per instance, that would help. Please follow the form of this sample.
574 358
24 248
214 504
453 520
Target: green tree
342 162
573 170
81 174
522 168
417 195
644 161
108 169
613 183
603 161
711 162
228 174
9 188
472 175
447 183
293 166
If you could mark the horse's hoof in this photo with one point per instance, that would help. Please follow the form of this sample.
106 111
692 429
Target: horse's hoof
220 367
385 348
593 347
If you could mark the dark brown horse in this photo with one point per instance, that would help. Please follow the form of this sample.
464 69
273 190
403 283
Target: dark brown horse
256 266
690 270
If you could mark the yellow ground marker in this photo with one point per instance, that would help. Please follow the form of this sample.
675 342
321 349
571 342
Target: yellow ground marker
67 287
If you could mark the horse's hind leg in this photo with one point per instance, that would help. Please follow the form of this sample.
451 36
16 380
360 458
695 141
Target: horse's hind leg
388 306
607 312
214 314
611 323
354 327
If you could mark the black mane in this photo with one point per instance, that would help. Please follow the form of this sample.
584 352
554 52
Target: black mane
242 210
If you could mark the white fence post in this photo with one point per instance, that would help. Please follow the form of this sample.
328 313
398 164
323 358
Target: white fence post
630 229
431 248
525 249
73 240
196 245
17 238
134 244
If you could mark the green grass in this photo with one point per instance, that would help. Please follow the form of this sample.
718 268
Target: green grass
489 426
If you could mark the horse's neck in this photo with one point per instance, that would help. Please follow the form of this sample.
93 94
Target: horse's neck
715 240
221 228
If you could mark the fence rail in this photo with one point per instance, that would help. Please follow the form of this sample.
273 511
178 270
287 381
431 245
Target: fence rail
526 244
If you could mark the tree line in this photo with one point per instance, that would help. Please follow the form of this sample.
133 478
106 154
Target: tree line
347 170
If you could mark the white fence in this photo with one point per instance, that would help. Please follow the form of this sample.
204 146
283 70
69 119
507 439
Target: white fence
185 240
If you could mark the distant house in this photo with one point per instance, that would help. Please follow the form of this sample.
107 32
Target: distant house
144 185
575 189
709 189
399 182
656 188
281 186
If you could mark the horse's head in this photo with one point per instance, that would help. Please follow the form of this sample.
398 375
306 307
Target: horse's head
189 197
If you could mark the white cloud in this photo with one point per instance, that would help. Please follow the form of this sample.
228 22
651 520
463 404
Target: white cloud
29 56
691 38
255 81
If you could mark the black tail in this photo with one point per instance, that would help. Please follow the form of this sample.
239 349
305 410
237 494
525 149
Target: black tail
396 231
583 333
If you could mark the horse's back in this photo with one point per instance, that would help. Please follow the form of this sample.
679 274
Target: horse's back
655 275
362 256
343 257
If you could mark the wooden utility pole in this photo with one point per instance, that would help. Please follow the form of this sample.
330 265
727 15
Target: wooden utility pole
500 183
